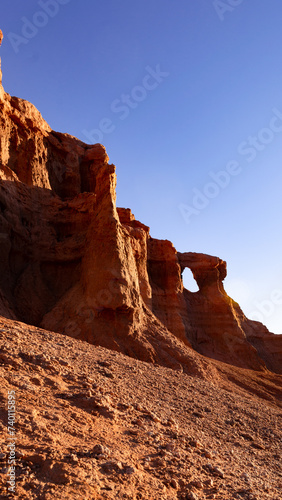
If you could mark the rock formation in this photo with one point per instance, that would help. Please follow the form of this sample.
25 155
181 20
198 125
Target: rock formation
73 263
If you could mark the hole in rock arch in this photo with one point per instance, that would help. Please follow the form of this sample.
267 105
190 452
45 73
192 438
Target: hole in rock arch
189 281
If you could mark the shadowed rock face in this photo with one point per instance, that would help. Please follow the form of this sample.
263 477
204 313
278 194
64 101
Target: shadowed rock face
71 262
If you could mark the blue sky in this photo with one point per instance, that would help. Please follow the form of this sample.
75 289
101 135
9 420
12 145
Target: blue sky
186 96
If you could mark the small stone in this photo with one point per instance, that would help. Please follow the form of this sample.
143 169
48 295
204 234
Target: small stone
170 447
154 418
133 432
174 484
258 446
105 364
103 456
245 476
101 450
129 469
159 462
195 443
110 466
209 482
2 456
36 380
207 409
247 436
191 496
138 407
171 421
197 484
63 362
108 374
138 422
197 414
218 472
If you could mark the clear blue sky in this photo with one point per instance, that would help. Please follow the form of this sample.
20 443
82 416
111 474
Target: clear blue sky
177 92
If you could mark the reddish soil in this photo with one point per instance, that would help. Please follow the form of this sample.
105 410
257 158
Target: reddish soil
95 424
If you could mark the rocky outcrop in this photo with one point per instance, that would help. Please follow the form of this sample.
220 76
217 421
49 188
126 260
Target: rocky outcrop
217 322
168 302
71 262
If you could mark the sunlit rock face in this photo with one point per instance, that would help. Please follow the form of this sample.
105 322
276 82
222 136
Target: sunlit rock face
74 263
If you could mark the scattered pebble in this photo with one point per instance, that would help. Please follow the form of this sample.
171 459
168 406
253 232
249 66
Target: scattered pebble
191 496
129 469
174 484
99 449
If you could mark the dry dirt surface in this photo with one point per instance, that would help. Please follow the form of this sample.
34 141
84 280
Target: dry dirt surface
92 423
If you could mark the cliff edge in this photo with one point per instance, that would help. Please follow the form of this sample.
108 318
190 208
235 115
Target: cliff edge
74 263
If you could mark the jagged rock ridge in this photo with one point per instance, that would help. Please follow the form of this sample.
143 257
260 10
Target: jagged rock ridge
71 262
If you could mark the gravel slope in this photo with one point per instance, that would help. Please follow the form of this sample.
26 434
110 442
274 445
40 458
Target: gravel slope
95 424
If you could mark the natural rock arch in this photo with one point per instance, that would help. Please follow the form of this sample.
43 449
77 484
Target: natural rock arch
189 281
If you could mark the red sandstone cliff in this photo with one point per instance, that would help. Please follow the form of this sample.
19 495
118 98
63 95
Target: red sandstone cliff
71 262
